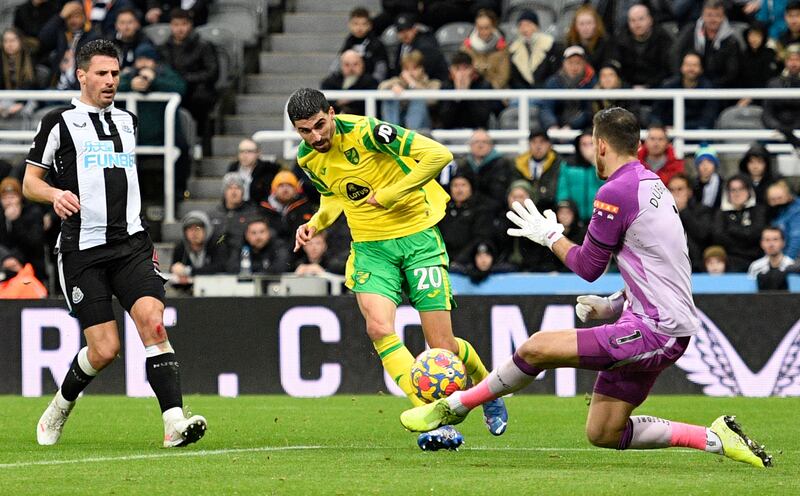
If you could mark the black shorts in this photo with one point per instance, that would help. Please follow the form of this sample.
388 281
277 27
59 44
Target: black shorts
126 269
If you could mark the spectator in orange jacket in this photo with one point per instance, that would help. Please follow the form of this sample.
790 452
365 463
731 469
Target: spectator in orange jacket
23 286
657 154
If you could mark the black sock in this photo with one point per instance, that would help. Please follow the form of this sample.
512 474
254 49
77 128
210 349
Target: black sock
75 381
164 376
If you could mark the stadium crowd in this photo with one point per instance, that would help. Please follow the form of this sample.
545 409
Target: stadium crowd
740 218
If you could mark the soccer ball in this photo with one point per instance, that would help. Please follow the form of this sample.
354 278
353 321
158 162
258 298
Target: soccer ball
437 373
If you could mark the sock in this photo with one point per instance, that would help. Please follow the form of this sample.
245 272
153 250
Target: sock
397 362
512 376
472 362
646 432
163 374
79 376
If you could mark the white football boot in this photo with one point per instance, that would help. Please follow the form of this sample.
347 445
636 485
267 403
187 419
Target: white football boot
183 431
53 419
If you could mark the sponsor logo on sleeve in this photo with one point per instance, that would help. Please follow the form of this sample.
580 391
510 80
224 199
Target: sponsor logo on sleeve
607 207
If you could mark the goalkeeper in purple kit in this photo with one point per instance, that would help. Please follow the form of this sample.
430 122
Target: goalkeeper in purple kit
635 221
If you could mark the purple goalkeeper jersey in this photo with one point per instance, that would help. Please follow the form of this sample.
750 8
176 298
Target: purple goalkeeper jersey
635 220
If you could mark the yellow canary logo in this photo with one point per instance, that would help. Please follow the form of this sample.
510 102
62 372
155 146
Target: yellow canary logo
362 277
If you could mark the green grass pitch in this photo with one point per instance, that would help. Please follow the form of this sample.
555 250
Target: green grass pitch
355 445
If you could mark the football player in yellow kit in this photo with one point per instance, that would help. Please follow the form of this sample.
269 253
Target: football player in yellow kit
382 177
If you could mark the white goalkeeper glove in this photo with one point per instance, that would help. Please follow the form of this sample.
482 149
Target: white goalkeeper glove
542 229
592 307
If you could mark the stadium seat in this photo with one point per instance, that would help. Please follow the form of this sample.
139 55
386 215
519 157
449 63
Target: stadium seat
245 25
158 33
741 118
509 118
260 7
452 35
229 50
188 126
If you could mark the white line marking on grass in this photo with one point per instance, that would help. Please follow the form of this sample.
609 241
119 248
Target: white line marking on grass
172 454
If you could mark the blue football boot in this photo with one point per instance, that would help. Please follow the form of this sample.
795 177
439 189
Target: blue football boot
445 437
496 416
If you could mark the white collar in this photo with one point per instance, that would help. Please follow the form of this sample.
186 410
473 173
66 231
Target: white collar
85 106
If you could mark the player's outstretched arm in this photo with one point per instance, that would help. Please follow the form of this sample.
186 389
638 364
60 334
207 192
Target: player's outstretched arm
35 188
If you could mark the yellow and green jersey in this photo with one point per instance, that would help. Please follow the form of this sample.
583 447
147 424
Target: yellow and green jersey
371 157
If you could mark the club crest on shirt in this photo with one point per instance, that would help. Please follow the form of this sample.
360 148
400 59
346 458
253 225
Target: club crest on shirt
351 154
127 128
77 295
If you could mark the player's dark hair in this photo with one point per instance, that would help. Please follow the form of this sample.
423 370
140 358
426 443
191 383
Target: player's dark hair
713 4
619 128
104 48
305 103
360 12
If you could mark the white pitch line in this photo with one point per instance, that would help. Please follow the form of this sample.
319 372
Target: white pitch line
203 453
200 453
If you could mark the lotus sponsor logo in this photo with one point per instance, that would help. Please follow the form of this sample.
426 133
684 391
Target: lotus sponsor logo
101 154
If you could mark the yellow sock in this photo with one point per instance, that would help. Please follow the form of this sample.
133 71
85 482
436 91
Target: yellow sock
472 362
397 361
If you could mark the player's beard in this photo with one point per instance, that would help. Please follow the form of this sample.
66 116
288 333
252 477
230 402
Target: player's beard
322 146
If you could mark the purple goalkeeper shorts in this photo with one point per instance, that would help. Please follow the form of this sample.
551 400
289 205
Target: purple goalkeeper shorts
629 356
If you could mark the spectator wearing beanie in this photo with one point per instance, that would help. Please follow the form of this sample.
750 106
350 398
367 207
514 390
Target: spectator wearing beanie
708 188
286 208
534 55
230 216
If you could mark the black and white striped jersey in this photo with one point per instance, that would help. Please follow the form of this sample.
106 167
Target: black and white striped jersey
91 152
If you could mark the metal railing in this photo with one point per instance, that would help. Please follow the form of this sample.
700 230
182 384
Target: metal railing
522 99
19 141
